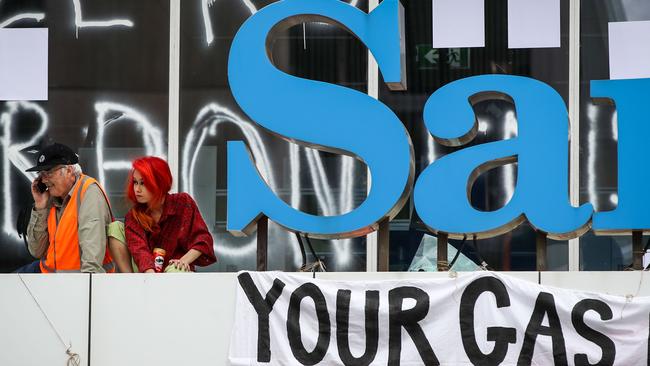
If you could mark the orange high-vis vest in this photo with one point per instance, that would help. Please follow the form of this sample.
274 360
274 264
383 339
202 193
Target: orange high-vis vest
63 252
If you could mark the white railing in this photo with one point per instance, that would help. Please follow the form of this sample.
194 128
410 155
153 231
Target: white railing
173 319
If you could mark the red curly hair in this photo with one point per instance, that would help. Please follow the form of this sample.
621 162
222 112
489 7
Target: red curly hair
157 179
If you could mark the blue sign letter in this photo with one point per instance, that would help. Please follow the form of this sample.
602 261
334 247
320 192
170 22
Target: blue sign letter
318 114
541 151
630 97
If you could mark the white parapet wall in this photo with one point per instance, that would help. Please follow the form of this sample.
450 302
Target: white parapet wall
26 336
174 319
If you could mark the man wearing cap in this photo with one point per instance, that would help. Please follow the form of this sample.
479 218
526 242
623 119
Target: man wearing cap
67 227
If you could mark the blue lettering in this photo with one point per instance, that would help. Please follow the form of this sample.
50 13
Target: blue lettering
541 195
630 97
317 114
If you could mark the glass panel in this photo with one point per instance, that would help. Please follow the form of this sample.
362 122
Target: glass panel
428 69
313 181
598 134
108 99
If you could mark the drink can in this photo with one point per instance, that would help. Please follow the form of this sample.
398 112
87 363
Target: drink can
158 259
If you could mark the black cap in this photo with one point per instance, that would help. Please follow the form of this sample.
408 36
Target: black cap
53 155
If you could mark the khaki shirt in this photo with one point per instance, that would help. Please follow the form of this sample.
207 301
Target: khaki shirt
94 215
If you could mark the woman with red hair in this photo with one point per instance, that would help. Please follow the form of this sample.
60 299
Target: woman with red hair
159 220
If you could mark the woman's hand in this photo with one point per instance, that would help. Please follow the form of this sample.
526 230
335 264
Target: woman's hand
149 271
184 262
180 264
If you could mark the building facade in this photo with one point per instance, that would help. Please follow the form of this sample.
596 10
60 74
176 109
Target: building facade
151 78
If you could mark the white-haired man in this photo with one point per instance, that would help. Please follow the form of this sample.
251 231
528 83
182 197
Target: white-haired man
67 227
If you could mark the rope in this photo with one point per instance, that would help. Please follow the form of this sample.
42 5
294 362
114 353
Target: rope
630 297
302 251
73 358
442 265
317 265
484 266
462 246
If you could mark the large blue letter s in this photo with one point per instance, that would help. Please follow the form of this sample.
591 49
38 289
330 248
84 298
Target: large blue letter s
318 114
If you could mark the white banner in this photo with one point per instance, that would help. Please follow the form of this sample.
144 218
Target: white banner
480 318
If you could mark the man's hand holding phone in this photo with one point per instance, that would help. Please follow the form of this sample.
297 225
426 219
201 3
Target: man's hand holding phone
40 193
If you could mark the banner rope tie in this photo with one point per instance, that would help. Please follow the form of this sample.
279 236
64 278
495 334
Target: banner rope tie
630 297
73 358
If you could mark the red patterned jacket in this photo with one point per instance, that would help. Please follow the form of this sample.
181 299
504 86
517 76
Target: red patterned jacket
181 228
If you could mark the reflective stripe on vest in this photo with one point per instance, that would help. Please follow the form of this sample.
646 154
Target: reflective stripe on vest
108 267
63 253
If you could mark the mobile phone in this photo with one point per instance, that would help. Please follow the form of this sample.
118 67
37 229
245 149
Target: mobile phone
41 186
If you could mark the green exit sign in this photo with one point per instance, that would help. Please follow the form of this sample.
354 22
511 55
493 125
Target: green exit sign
428 58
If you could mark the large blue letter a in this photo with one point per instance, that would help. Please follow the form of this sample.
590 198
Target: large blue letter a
540 150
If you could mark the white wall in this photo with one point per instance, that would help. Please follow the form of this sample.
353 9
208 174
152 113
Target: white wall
26 337
172 319
176 319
